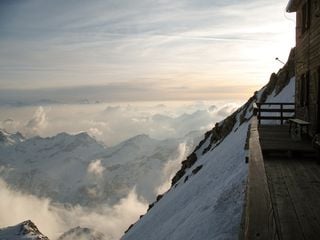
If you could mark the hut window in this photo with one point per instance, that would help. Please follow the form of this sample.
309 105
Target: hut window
306 16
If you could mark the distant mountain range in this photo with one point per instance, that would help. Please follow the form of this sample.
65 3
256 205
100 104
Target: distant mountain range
77 169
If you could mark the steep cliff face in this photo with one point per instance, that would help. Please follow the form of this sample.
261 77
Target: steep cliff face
206 197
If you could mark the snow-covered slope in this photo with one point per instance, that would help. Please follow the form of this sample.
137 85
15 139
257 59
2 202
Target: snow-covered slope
203 204
77 169
207 194
26 230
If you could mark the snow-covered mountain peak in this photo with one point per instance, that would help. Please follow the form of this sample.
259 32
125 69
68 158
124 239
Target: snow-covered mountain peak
26 230
77 169
137 142
8 139
140 139
82 137
81 233
60 143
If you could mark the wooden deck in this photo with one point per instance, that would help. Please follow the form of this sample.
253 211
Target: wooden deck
283 190
294 186
293 177
276 138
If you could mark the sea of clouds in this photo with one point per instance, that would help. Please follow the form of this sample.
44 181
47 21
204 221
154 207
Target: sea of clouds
111 124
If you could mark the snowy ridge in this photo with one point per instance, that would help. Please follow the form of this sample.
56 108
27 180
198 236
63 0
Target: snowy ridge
76 169
207 194
8 139
26 230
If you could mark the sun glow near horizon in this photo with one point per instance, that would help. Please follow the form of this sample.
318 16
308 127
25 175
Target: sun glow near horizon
138 50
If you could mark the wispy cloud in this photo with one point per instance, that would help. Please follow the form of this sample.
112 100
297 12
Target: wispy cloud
78 43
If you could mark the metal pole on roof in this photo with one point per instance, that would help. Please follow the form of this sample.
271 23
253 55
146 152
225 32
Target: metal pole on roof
277 59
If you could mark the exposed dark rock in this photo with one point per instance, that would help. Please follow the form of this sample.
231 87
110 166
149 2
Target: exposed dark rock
278 81
186 179
178 176
286 73
159 197
29 228
129 228
206 136
150 206
191 159
197 169
247 108
221 130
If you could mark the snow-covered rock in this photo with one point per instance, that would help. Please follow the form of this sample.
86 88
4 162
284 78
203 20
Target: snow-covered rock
7 139
26 230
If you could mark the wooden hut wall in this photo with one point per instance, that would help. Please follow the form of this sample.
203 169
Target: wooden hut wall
308 63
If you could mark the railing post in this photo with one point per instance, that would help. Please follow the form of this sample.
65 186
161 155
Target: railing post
281 113
259 113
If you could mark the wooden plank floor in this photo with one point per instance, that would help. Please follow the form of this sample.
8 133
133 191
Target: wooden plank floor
295 194
276 138
294 183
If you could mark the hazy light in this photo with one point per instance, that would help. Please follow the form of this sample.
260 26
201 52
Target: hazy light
159 46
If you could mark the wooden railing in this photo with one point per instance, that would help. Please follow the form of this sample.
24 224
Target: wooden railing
259 220
281 111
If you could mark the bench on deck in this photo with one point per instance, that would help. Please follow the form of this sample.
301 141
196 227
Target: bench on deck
296 127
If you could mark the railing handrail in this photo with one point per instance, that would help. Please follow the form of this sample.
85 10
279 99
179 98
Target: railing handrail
257 110
259 215
276 103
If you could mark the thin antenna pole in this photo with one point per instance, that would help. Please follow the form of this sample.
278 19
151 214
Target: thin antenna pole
277 59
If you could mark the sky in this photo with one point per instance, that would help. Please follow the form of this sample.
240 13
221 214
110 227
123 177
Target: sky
140 50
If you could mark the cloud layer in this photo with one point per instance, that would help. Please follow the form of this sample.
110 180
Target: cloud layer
53 219
113 123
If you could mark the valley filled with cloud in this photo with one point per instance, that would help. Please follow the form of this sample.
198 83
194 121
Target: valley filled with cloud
105 178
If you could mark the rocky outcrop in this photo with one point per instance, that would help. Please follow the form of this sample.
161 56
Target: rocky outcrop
26 230
281 79
191 159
